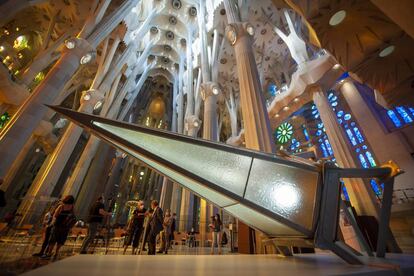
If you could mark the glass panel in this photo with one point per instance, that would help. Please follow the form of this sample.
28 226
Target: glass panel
358 135
370 159
208 194
225 169
259 221
406 117
287 191
351 137
363 161
394 118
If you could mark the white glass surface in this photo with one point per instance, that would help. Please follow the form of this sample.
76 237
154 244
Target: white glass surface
261 222
287 191
225 169
208 194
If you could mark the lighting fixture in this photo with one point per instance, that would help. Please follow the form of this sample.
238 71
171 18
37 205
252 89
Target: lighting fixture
337 18
87 97
231 34
216 90
336 66
387 51
86 58
70 43
250 29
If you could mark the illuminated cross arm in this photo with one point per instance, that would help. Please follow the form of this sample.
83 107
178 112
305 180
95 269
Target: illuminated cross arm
281 197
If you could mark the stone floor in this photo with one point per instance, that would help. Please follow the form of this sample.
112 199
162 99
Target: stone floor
206 265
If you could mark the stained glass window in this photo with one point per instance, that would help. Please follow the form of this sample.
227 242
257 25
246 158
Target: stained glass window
403 113
351 137
363 161
284 133
370 159
358 135
305 133
4 119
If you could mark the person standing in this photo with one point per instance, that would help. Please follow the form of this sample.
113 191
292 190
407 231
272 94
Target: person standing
156 225
96 216
173 227
63 220
135 228
217 227
47 227
166 233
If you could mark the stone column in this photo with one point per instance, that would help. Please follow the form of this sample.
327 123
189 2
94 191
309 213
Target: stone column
361 195
209 93
180 100
386 146
49 174
18 130
190 92
258 134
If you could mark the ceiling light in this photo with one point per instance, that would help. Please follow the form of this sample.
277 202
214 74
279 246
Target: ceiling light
277 116
296 100
216 91
336 66
1 48
337 18
250 29
70 44
196 124
141 173
86 58
387 51
286 108
97 105
87 97
231 34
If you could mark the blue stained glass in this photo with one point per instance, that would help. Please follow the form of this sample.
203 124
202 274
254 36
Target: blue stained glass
272 89
340 121
351 137
357 150
319 132
363 161
364 147
345 192
328 147
324 151
353 124
316 116
324 130
358 135
330 95
305 132
411 110
404 114
313 107
347 117
394 118
315 112
374 186
334 103
297 144
340 114
370 159
320 125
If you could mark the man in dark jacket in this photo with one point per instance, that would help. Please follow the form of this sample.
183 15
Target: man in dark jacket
156 225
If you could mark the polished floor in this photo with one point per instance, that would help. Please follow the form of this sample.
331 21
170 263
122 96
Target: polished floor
206 265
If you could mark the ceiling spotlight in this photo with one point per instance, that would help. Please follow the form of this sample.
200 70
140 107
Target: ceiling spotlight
337 18
216 90
192 11
387 51
1 48
296 100
86 58
250 29
336 66
97 105
231 34
70 43
141 173
286 108
277 116
176 4
196 124
37 150
87 97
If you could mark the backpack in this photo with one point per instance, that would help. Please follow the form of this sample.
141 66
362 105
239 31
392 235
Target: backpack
224 240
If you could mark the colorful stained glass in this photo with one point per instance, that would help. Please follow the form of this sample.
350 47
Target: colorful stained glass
306 134
284 133
347 117
404 114
375 187
363 161
4 119
370 159
351 137
340 113
358 135
328 147
394 118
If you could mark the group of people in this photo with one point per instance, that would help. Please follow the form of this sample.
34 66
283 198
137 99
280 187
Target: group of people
145 225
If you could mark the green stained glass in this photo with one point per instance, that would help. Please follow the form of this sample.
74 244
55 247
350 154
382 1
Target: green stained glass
4 119
284 133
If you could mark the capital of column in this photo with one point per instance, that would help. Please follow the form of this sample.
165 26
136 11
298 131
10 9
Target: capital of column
236 31
209 89
90 100
81 48
192 123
